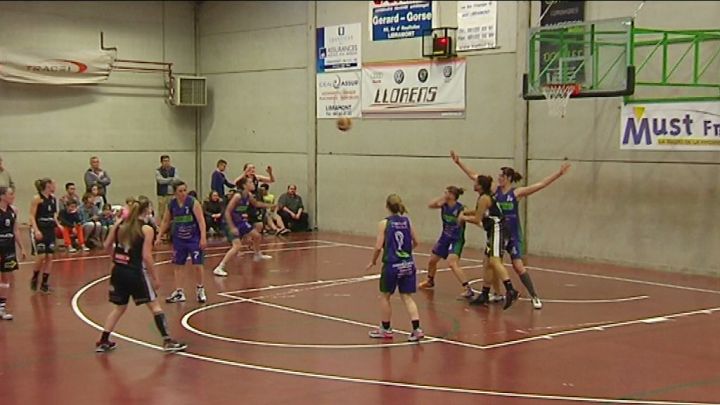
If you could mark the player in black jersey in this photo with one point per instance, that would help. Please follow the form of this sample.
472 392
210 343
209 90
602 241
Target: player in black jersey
8 242
43 221
133 274
488 214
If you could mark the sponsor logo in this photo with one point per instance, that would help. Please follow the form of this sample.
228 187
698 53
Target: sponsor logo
447 71
58 66
422 75
407 95
399 76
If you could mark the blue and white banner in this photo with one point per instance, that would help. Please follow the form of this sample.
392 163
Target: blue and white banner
400 19
671 127
338 47
338 94
414 89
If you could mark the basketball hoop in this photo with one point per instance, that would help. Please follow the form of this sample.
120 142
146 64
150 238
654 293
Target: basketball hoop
557 97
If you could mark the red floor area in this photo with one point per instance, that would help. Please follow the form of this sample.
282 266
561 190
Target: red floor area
294 330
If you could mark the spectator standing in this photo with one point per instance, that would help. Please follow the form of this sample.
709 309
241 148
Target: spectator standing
291 210
5 178
166 177
95 176
218 181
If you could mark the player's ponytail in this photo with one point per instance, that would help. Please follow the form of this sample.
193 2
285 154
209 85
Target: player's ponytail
40 184
395 205
456 191
511 174
131 228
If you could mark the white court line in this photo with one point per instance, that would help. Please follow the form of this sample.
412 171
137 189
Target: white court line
186 324
158 252
601 327
357 279
600 301
367 381
572 273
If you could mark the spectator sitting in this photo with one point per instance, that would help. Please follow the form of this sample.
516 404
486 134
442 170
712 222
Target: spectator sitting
272 220
214 209
290 208
92 228
70 194
98 197
107 220
71 224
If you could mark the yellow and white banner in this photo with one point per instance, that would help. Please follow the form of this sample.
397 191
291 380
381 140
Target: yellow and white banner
56 67
671 126
414 89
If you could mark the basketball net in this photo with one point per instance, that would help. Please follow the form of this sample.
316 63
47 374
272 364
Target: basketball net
557 97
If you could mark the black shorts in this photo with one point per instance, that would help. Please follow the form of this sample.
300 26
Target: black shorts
126 282
497 240
8 260
257 216
46 245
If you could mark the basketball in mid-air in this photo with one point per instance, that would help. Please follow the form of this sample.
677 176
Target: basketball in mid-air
344 124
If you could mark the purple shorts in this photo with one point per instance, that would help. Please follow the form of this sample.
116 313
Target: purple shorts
243 227
183 249
400 276
446 246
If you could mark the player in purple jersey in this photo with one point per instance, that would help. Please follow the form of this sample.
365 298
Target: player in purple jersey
186 217
396 240
508 198
452 239
239 223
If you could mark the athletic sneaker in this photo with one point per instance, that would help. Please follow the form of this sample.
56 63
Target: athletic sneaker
416 335
172 346
381 333
536 303
496 297
72 250
284 232
104 347
201 297
176 296
33 283
510 297
85 248
5 315
467 294
481 299
427 284
260 257
45 288
220 271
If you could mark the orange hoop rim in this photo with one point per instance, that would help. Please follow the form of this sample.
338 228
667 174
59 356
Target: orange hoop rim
576 87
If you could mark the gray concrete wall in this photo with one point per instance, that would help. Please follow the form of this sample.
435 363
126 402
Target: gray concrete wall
52 132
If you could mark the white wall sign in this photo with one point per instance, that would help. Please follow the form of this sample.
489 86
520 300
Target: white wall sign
414 89
477 25
53 66
338 94
672 126
339 47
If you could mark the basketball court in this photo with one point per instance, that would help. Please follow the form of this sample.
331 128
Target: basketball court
297 325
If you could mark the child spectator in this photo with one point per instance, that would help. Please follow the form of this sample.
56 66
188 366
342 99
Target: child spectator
71 224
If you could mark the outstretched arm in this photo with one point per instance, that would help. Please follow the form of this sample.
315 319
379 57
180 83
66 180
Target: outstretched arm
437 203
475 217
526 191
270 178
470 173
